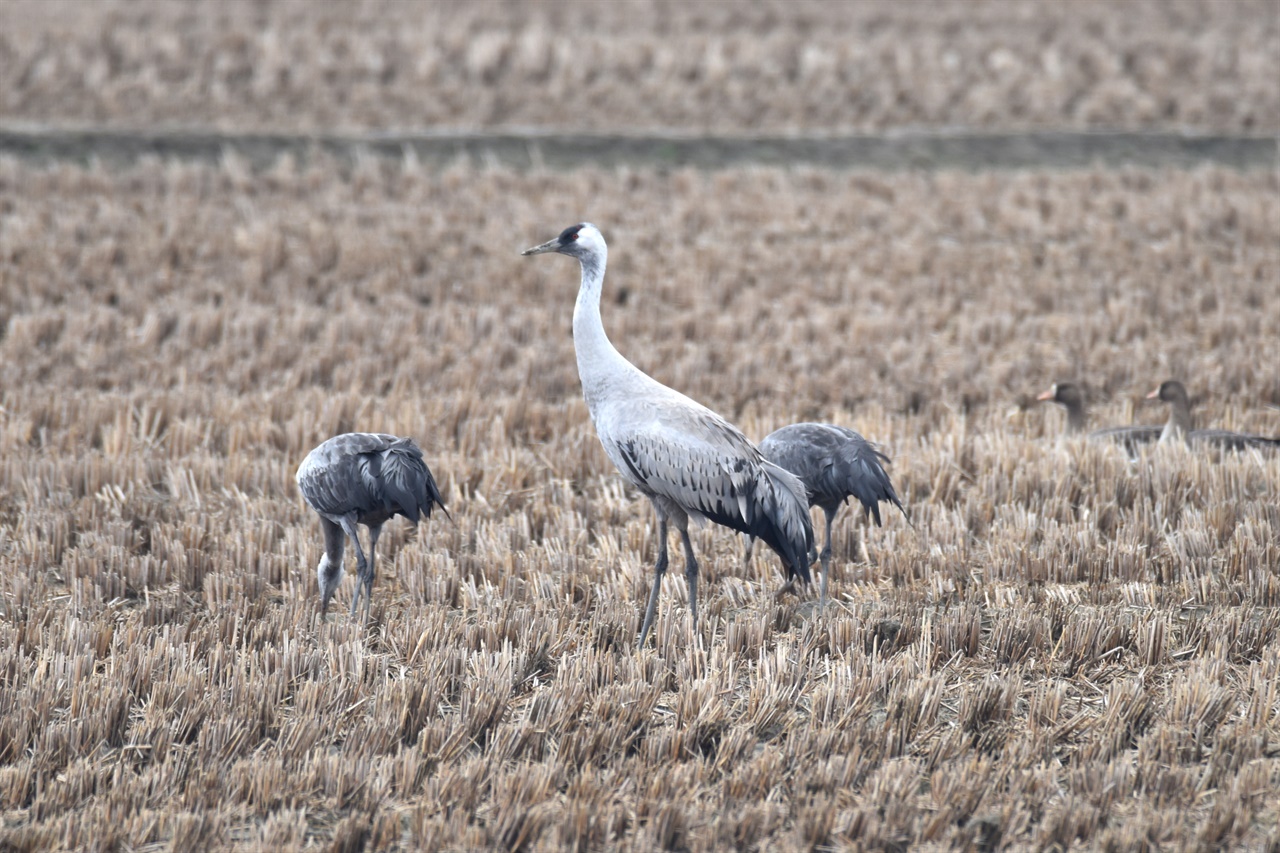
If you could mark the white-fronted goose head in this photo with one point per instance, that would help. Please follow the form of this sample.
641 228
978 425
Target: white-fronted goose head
1070 397
1173 392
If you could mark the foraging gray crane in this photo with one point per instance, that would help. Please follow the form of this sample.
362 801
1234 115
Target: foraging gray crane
688 461
1069 396
835 464
1178 427
362 478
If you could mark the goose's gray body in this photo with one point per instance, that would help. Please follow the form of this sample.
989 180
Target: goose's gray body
690 462
834 463
1179 425
362 478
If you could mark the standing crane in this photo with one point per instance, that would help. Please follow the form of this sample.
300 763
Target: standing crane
688 461
835 464
362 478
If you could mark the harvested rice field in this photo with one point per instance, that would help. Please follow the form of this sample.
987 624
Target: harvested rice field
776 66
1059 647
1064 648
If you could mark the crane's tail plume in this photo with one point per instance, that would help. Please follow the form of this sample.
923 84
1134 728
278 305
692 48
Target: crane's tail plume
863 475
408 481
783 522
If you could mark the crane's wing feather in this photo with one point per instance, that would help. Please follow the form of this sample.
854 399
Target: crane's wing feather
704 480
700 462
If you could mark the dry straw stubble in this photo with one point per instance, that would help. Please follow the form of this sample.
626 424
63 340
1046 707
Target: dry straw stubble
644 65
1069 647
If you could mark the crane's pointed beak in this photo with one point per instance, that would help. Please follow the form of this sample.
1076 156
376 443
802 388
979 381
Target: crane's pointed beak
1045 395
1154 395
549 246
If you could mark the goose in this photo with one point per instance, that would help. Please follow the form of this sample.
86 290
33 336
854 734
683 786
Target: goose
1071 397
1179 425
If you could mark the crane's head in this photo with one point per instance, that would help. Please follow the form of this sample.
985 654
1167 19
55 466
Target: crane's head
330 575
580 241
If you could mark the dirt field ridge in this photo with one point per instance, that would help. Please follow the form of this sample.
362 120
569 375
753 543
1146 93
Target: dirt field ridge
899 150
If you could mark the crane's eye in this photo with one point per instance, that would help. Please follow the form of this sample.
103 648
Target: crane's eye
570 234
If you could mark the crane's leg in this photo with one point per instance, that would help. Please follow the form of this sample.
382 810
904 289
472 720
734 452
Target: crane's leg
659 569
367 578
329 572
691 575
746 554
825 557
349 527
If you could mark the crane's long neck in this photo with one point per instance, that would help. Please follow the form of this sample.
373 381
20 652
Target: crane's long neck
598 361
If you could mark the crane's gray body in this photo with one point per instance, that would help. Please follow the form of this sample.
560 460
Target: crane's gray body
834 463
691 463
363 478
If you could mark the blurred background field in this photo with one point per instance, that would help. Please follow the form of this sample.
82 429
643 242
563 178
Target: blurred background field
771 66
1066 648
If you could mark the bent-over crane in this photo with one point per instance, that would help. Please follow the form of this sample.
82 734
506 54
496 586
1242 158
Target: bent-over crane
834 463
362 478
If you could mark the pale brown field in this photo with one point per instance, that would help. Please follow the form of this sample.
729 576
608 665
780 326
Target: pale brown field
643 65
1065 649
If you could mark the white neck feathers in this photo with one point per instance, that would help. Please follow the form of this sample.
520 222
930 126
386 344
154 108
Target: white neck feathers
600 366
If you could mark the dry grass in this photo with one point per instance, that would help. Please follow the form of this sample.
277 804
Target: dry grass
777 65
1068 650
